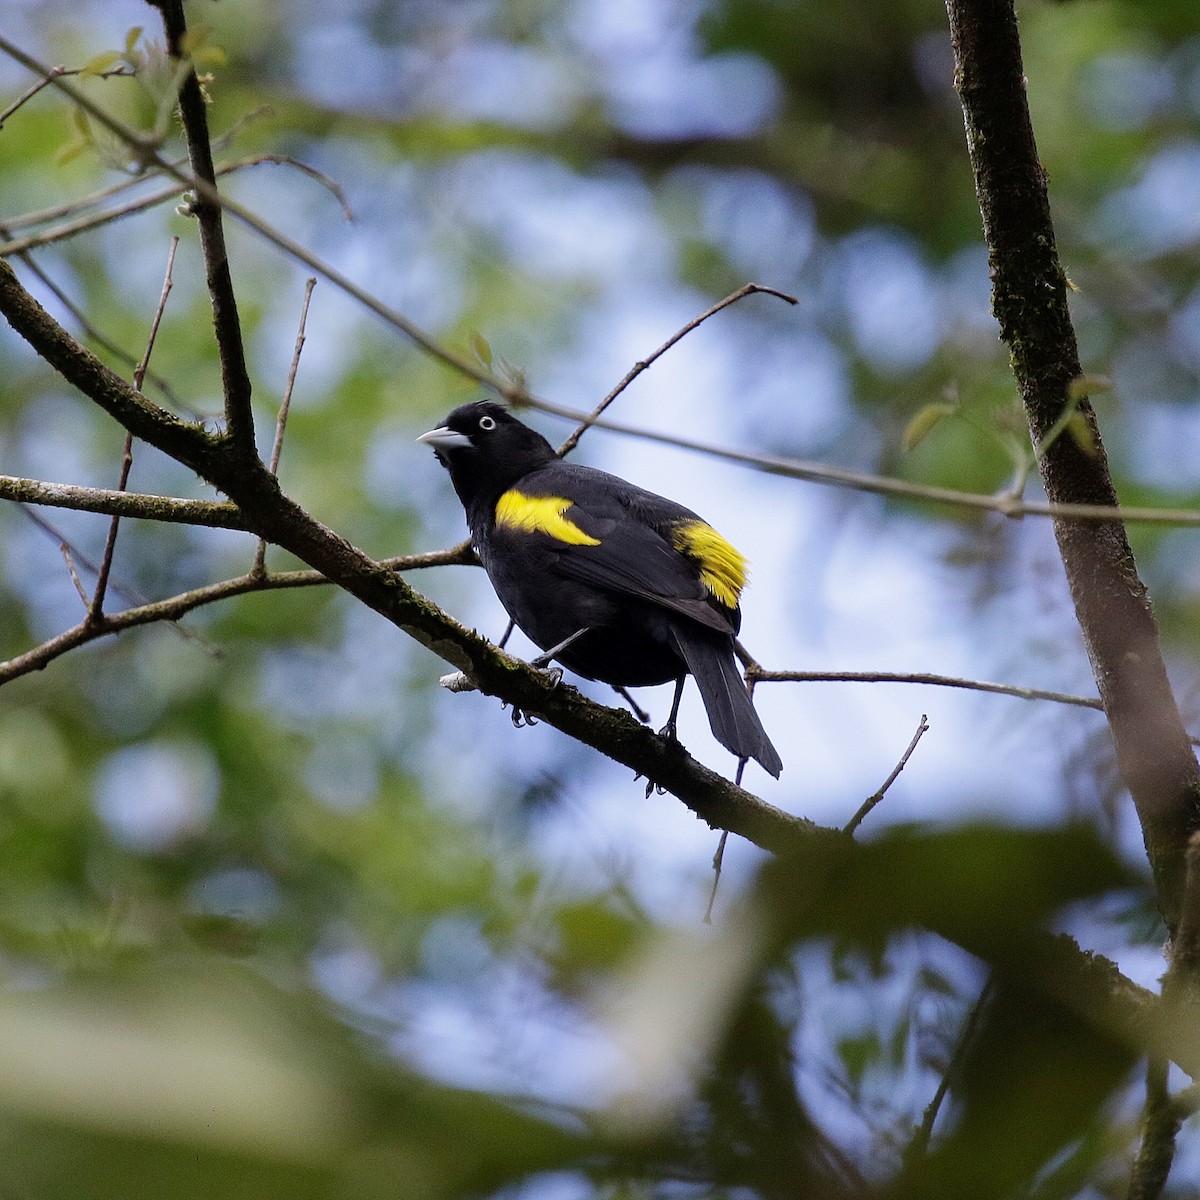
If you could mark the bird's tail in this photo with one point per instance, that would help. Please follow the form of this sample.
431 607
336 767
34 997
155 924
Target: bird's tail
731 714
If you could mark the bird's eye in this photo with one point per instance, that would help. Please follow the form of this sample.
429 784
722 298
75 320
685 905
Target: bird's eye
487 423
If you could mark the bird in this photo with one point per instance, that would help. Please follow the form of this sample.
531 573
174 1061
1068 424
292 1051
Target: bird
614 582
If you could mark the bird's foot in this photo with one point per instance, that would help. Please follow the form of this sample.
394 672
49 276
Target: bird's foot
520 718
669 732
553 674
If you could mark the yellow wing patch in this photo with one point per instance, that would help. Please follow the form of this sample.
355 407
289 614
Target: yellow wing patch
540 514
722 567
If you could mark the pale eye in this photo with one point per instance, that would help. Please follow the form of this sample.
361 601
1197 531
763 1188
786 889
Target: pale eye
487 423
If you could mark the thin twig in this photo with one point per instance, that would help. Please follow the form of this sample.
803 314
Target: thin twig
718 861
131 596
871 801
76 559
919 1146
285 405
761 675
183 183
748 289
175 607
68 557
93 334
96 608
29 93
1004 503
145 149
53 74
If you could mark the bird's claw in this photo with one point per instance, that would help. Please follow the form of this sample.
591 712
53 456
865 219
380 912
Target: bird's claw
520 718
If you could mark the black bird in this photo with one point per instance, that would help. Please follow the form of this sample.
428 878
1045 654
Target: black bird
612 581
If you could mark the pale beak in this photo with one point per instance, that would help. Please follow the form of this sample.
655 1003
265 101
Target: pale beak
445 438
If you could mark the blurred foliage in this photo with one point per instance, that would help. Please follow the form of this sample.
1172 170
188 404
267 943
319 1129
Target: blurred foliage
279 919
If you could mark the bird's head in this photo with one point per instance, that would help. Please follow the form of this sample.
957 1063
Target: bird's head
486 450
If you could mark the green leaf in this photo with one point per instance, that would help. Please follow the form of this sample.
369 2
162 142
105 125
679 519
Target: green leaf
1082 433
101 63
923 424
481 349
1083 386
70 151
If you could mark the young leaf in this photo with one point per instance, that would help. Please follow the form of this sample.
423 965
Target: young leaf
923 424
69 151
101 63
481 349
1082 433
1083 386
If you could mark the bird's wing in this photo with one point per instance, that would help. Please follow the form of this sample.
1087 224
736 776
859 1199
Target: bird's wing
615 536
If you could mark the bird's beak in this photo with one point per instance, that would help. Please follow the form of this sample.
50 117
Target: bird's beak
445 438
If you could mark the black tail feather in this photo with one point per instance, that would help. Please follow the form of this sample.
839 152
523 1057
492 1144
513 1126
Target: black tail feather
735 724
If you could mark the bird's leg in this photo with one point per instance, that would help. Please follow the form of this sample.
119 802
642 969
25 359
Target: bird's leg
544 658
638 711
555 674
668 730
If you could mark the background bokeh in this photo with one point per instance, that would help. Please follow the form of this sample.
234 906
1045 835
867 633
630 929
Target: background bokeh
272 816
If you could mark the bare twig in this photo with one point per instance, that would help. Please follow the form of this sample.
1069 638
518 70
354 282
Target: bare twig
51 75
175 607
748 289
68 556
284 408
871 801
58 233
918 1147
761 675
96 608
717 863
1187 1102
29 93
1003 503
90 331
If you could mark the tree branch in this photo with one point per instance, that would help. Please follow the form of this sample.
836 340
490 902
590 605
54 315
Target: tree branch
1029 298
235 378
208 513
